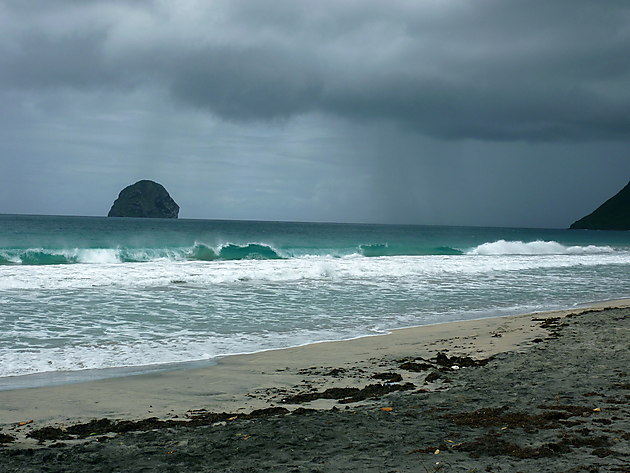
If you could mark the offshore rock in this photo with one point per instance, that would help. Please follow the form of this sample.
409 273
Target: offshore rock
614 214
145 199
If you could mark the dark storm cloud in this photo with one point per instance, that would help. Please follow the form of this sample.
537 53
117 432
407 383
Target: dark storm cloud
452 69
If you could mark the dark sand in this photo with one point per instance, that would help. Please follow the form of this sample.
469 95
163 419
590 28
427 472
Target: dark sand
558 403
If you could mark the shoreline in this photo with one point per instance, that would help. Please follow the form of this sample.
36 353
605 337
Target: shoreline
49 379
545 392
243 383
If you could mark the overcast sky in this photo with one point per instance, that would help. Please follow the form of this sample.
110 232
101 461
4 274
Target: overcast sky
485 112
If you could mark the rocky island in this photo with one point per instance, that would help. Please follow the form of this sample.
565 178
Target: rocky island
145 199
614 214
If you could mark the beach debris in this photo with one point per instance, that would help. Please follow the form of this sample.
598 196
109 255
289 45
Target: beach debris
335 372
573 410
267 412
491 444
349 395
104 426
500 416
432 377
26 422
445 361
5 438
552 324
597 409
302 411
442 362
49 433
388 377
387 409
437 451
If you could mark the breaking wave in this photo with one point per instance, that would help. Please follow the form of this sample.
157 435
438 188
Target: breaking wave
43 257
198 252
262 251
249 251
203 252
539 247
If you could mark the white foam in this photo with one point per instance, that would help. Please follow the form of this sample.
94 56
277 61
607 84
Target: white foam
181 347
94 316
539 247
97 256
161 273
10 257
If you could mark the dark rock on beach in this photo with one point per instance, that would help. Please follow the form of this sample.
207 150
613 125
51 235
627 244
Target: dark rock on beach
146 199
614 214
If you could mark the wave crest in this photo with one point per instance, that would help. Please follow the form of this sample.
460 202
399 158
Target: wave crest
248 251
538 247
43 257
262 251
203 252
197 252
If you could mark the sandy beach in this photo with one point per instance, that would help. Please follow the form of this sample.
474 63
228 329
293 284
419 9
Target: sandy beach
535 392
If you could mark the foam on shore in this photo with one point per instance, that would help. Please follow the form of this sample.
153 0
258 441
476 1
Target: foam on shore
242 383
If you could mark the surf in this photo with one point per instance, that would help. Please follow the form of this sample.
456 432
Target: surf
196 252
533 248
88 293
263 251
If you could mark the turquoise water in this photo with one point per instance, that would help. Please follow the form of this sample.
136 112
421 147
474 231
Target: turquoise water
97 295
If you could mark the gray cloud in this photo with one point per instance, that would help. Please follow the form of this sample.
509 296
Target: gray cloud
492 112
491 69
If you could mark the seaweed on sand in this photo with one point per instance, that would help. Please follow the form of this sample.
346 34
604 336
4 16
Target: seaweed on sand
349 395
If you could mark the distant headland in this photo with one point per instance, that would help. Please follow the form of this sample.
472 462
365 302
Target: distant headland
144 199
614 214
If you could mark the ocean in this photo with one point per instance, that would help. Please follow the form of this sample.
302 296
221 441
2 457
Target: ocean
89 297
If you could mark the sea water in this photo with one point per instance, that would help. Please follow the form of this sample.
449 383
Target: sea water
86 297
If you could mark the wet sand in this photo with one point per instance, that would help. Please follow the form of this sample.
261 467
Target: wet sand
536 392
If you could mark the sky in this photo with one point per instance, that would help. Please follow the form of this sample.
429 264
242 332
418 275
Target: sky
440 112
